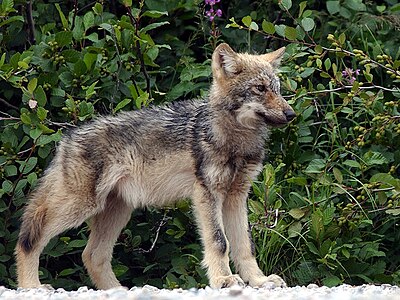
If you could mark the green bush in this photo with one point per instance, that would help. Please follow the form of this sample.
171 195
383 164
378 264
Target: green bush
326 207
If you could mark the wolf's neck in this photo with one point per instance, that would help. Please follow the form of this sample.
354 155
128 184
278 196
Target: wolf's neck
230 136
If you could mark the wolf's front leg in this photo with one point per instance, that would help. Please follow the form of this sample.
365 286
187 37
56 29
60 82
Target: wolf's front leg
242 248
207 207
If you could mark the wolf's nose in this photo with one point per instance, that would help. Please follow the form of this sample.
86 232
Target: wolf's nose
290 114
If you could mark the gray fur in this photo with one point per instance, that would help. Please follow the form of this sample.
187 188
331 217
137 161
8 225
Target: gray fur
207 149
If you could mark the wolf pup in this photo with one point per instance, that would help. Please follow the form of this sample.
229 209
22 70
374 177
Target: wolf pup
207 150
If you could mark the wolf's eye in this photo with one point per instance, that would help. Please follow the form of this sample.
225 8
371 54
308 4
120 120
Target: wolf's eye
261 87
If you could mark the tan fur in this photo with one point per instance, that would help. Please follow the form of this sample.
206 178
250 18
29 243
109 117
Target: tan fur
207 150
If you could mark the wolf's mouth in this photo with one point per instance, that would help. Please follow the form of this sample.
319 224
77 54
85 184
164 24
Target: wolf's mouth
275 122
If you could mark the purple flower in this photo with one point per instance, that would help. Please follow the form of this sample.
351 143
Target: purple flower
211 13
348 74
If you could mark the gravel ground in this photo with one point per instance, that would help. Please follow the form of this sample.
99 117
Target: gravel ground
311 292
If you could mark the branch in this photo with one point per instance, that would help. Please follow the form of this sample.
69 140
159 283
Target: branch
75 13
8 104
346 87
135 22
31 24
161 224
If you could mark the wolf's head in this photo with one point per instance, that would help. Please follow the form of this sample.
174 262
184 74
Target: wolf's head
248 87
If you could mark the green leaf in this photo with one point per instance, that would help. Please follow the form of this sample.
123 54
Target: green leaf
393 211
333 7
26 119
35 133
7 186
342 38
286 4
98 8
77 244
32 178
90 90
88 20
122 104
27 165
127 3
280 29
32 85
12 19
154 14
318 49
290 33
45 129
268 27
254 26
352 163
67 272
307 24
331 281
317 225
2 59
296 213
246 21
327 64
89 59
10 170
78 30
63 38
79 68
294 229
338 175
356 5
62 16
120 270
269 175
153 26
315 166
327 214
7 5
374 158
41 113
40 96
141 100
302 6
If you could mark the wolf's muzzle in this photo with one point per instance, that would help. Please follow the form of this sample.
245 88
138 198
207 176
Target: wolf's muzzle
290 114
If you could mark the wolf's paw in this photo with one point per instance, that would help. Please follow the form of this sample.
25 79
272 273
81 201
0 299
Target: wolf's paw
46 287
271 281
226 281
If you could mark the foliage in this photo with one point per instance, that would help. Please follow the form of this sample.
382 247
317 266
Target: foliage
326 207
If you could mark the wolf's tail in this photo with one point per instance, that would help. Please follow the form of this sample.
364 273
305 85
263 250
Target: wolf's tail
33 220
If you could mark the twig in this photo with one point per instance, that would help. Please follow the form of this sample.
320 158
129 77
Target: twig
8 104
31 24
366 60
135 22
63 125
161 224
119 63
75 13
85 7
345 88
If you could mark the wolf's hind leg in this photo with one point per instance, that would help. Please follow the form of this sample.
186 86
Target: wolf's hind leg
42 220
105 228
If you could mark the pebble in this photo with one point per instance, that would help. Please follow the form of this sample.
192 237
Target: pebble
148 292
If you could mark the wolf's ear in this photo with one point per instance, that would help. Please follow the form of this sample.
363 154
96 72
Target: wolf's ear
225 62
275 57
